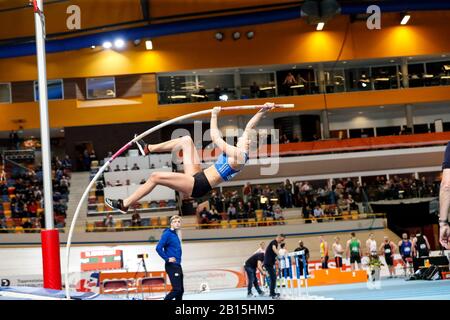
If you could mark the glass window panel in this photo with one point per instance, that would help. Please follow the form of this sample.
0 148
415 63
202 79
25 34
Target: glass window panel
296 82
258 85
335 80
388 131
101 88
438 73
5 93
421 128
358 79
385 77
416 72
362 133
218 86
55 90
176 89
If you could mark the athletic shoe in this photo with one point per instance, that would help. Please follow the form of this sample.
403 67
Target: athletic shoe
142 146
261 294
250 295
276 296
116 205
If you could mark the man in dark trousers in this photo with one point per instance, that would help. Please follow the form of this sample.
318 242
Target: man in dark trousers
169 248
300 258
269 263
253 263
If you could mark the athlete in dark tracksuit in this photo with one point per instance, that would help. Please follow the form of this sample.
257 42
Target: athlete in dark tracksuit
169 248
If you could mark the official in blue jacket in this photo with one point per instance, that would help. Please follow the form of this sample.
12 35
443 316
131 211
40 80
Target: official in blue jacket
169 248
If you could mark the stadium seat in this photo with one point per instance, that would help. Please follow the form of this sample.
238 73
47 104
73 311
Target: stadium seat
89 227
224 224
100 207
251 222
162 203
18 229
154 221
259 215
164 221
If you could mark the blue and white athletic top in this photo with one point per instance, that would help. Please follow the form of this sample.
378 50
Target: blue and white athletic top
224 169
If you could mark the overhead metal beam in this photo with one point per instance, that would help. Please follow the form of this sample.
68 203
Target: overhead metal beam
145 8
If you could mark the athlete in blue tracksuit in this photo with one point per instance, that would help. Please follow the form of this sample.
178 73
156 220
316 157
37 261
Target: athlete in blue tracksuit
169 248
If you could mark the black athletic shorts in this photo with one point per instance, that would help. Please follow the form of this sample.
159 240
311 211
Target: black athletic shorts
201 185
355 258
389 260
446 163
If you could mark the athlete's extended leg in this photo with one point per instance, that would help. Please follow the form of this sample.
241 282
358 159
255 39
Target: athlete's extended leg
191 160
177 181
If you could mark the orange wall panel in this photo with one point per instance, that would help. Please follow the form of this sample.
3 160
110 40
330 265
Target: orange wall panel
72 113
276 43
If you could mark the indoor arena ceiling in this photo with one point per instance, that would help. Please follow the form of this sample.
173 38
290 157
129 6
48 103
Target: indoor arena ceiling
17 22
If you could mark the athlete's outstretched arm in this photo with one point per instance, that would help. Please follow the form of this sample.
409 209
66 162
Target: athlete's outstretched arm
216 137
256 118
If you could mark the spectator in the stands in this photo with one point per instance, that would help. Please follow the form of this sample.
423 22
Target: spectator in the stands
14 140
318 213
215 216
135 219
27 226
135 167
278 214
241 213
247 192
254 90
3 227
231 212
351 204
342 204
205 216
125 168
283 139
295 138
117 168
99 189
108 222
64 184
142 181
216 201
289 81
307 214
67 163
288 193
118 183
86 160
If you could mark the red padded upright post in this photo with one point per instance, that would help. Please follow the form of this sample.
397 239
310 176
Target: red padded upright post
51 259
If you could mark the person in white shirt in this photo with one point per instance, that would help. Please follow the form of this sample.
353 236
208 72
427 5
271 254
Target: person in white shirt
371 246
284 261
338 251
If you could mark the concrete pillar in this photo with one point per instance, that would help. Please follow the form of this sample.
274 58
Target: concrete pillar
325 125
237 84
321 79
404 70
409 117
